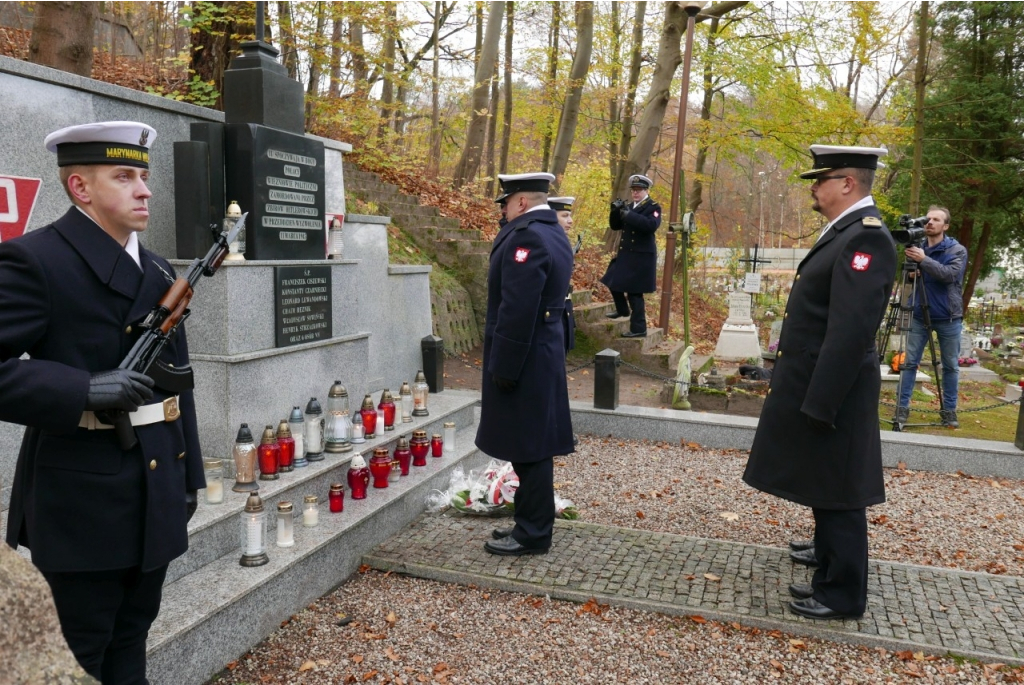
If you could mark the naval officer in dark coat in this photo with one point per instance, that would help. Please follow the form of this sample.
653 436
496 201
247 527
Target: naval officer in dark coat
102 523
817 440
562 207
633 270
524 408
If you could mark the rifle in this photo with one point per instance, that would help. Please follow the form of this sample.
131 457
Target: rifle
162 323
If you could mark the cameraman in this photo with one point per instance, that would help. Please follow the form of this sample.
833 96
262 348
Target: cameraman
941 264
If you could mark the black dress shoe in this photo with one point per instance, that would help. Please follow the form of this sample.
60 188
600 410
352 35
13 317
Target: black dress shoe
615 315
812 608
800 545
509 547
805 557
631 334
499 533
801 591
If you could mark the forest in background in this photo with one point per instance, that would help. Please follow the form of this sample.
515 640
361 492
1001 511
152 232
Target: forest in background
448 94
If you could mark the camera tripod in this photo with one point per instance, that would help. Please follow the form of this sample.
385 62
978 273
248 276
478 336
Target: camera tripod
901 311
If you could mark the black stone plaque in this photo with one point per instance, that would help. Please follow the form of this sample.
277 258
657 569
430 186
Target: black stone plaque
278 177
302 304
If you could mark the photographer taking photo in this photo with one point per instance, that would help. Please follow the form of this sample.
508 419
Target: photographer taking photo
941 264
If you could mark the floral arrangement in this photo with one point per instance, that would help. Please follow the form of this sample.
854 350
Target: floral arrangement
489 491
967 361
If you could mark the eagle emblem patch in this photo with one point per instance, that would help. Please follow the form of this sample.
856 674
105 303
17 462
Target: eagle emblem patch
521 254
861 261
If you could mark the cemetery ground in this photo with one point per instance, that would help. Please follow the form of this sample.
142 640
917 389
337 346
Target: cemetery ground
387 627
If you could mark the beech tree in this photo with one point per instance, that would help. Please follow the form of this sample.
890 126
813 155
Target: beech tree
62 36
577 79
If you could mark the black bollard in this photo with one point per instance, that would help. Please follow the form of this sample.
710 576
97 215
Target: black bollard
1019 441
606 379
433 362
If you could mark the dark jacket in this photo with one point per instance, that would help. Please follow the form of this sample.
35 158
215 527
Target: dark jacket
827 368
634 268
72 298
524 340
943 267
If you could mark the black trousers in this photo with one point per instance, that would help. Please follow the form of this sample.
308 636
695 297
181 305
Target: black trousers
105 617
635 310
841 547
535 503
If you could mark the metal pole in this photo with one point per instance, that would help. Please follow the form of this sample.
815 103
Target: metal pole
260 30
691 10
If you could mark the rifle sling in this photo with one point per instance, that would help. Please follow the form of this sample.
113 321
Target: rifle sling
172 379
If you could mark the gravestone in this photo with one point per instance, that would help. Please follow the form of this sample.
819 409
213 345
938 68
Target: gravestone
738 339
773 336
966 344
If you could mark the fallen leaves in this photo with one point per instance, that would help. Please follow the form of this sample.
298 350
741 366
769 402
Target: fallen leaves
712 577
591 606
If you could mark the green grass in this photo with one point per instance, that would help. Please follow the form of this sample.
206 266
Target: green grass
999 423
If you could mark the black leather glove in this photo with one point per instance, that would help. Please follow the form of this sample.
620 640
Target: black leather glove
618 204
506 384
819 425
118 389
191 504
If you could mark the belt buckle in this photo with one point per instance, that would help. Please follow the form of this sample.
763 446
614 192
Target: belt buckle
171 411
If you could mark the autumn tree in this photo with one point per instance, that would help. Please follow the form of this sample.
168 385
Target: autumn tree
62 36
577 79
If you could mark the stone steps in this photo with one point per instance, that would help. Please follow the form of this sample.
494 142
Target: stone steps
214 610
653 353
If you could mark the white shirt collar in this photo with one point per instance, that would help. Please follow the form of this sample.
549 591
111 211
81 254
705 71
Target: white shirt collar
859 204
543 206
131 247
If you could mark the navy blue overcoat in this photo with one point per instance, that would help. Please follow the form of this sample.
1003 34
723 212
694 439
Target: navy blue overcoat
826 368
71 297
634 269
524 340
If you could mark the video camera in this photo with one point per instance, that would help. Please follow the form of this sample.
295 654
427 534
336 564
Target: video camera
911 231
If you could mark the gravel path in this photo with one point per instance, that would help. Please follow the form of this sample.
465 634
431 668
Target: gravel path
407 630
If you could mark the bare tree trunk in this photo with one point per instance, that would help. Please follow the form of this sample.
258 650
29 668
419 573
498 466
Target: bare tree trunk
920 73
479 45
289 54
62 36
335 89
435 96
492 129
614 113
315 62
469 161
552 75
506 127
387 93
627 109
578 77
211 50
696 195
976 263
355 42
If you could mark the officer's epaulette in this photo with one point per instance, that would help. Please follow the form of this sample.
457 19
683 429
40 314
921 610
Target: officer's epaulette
871 222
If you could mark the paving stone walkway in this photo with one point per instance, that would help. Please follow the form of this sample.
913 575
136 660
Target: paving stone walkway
920 608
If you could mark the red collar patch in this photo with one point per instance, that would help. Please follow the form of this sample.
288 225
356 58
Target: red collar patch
522 253
861 261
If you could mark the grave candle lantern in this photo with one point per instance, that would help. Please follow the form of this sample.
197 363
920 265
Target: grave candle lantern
419 446
310 511
254 532
236 248
269 454
337 437
298 428
314 430
405 394
336 498
436 445
357 428
287 444
244 456
358 477
380 467
387 405
420 390
449 437
403 455
285 525
369 415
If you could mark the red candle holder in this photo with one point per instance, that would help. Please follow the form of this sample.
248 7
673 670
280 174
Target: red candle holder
358 477
287 444
402 455
419 446
436 445
387 405
336 498
380 467
369 415
269 455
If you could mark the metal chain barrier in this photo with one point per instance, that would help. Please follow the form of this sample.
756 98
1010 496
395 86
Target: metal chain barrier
651 374
578 368
1001 403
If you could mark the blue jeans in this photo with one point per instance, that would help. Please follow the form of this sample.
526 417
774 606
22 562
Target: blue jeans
948 333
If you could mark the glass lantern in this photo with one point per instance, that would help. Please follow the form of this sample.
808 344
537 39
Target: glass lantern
297 426
336 435
314 417
405 395
420 390
287 444
436 445
214 470
358 477
254 532
335 245
236 248
285 525
387 407
244 456
369 415
269 454
336 498
310 511
419 446
357 428
380 467
403 455
396 471
449 437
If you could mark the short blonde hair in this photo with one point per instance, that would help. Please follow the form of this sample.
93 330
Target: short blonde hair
66 172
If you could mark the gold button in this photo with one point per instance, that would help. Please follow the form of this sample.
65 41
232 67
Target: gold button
152 465
778 354
786 316
769 391
181 456
547 314
128 330
797 277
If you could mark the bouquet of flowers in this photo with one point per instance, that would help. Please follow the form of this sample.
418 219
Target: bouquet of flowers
967 361
489 491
